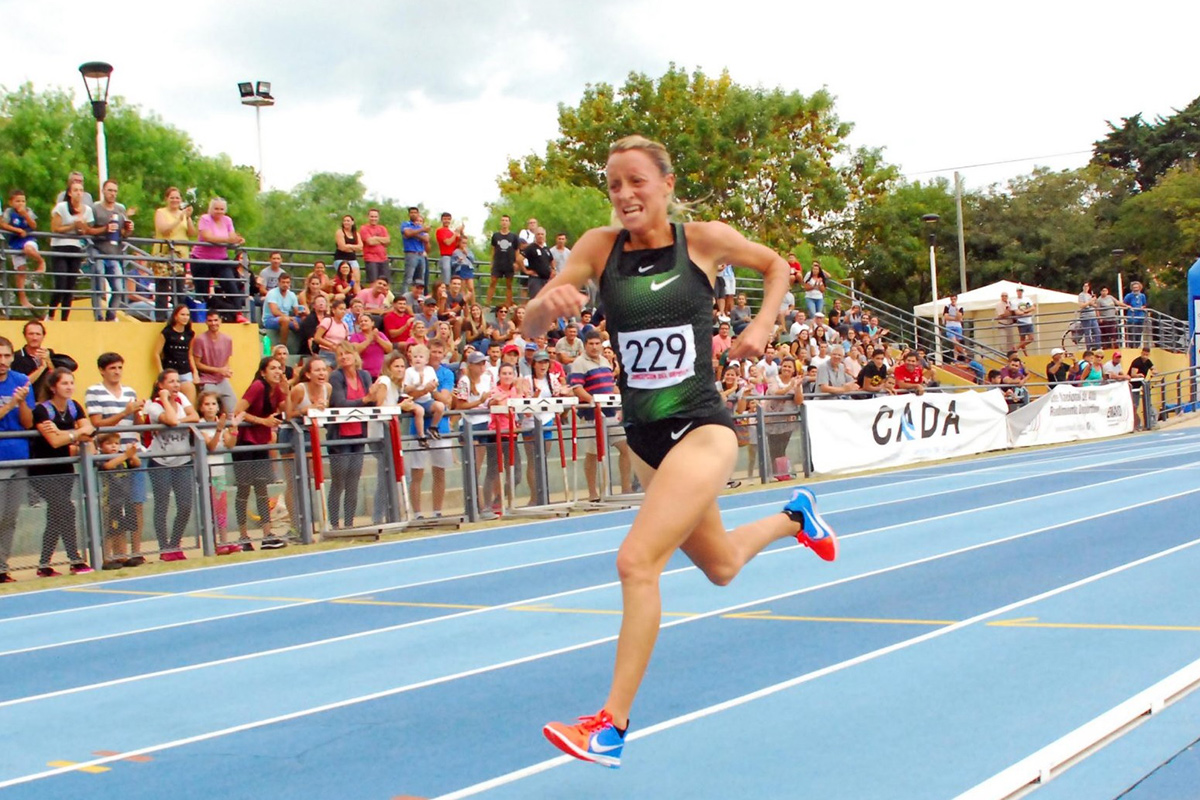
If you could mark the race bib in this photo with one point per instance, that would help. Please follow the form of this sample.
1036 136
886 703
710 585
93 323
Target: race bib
659 357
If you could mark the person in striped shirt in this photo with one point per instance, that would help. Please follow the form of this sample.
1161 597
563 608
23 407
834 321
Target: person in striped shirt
591 374
110 404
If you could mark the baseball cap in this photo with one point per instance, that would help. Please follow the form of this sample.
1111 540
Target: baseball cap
510 348
541 355
1058 351
476 357
430 300
531 346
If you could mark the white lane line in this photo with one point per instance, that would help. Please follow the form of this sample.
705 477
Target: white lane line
559 651
533 769
300 603
1033 457
283 606
286 605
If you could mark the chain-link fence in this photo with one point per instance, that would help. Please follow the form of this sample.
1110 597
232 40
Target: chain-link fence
41 511
85 510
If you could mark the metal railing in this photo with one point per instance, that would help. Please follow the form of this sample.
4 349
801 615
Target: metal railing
1172 394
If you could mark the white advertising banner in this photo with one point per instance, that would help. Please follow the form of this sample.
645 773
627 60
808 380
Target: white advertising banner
850 435
1073 413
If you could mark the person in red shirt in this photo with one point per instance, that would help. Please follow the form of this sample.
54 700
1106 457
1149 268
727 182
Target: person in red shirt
796 269
397 323
447 240
909 375
375 240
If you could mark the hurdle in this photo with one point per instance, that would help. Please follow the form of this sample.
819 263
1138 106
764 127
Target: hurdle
391 416
514 407
608 500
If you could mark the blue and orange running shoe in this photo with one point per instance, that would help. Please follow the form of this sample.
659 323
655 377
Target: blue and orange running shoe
593 739
815 532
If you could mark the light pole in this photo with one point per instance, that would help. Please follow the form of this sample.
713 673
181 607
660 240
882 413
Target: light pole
95 79
1116 254
931 221
258 95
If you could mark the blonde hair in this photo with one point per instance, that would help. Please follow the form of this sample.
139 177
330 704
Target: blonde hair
346 347
676 209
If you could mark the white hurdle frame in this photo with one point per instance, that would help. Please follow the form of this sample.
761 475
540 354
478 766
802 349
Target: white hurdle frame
608 500
515 406
391 415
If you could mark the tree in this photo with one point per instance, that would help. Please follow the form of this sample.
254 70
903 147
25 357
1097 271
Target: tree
558 207
1046 228
1161 228
308 216
1148 150
768 162
44 136
888 252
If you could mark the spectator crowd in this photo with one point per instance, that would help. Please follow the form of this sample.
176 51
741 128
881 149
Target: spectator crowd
356 332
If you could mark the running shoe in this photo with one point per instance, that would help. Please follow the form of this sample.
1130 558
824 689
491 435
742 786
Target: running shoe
135 561
815 532
273 543
6 578
48 572
226 549
593 739
80 569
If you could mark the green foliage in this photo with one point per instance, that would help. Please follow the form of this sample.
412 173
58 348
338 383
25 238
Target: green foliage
44 136
1148 150
557 206
1045 229
308 216
889 250
765 161
1162 228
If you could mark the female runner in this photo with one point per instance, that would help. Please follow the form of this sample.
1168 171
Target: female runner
656 284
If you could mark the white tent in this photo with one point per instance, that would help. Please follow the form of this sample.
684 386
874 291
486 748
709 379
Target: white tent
1054 314
985 298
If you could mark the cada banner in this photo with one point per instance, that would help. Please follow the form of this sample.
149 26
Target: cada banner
1073 413
889 431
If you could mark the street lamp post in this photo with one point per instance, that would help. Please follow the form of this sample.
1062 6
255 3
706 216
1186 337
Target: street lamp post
931 221
96 75
257 94
1116 254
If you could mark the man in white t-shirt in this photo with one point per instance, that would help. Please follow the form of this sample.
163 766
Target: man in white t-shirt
559 252
1112 369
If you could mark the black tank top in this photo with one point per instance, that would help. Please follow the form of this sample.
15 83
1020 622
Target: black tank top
176 347
658 305
346 255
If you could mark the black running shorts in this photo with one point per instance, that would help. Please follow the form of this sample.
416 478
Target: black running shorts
652 441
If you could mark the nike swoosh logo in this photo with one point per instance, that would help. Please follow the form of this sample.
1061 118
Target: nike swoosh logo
675 436
646 268
601 748
655 285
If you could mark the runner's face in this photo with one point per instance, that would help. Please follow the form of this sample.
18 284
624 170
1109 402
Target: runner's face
638 191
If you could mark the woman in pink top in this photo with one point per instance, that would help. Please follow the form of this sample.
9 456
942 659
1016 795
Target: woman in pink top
372 345
331 332
216 234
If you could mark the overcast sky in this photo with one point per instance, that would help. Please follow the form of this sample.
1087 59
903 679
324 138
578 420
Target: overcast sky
429 99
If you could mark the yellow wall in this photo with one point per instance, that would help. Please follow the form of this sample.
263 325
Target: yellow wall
84 340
